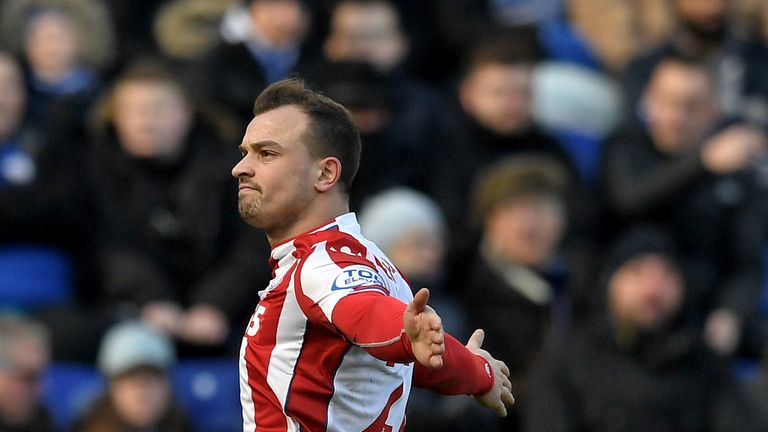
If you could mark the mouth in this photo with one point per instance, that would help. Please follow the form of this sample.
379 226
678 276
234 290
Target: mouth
244 187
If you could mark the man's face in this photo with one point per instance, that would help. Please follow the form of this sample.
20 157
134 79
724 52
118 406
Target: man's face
52 44
526 231
276 173
645 292
12 96
20 381
498 96
369 33
680 107
152 119
705 18
283 22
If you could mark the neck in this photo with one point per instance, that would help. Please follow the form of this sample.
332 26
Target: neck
314 216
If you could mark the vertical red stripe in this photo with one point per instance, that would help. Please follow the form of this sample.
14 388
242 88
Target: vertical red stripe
311 389
268 410
321 354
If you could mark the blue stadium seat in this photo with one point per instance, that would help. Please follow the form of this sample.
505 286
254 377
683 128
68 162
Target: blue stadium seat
33 277
209 391
69 390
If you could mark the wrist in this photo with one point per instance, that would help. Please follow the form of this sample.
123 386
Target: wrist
484 375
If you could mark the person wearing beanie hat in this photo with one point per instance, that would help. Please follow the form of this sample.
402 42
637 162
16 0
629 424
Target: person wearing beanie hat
135 359
410 228
640 364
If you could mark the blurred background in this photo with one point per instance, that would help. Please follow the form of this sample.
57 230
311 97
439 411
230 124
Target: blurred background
587 180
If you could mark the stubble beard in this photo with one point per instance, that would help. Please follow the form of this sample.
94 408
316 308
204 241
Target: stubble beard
248 208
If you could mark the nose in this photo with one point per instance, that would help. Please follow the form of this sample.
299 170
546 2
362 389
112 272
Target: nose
242 169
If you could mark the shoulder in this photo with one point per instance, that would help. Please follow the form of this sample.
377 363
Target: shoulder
337 261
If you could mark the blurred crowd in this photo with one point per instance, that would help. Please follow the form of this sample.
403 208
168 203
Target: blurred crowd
586 180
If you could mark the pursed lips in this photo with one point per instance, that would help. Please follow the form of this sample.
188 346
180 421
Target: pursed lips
246 186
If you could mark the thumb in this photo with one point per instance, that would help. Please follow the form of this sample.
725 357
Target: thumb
419 302
476 340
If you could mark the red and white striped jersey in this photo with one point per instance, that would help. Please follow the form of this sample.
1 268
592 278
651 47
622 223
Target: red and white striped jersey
297 371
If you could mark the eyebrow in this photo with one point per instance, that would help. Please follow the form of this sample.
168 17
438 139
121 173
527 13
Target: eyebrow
255 146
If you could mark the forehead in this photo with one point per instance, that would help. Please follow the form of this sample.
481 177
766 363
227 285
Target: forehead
676 76
284 125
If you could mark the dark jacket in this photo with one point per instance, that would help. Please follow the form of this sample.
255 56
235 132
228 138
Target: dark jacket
471 151
171 231
230 77
40 422
515 326
715 219
667 381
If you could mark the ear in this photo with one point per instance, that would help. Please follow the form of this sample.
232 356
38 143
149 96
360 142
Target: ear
329 174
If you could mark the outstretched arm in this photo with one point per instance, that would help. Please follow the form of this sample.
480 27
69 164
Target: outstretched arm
393 331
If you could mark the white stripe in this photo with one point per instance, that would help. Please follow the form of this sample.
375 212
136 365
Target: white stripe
380 344
289 340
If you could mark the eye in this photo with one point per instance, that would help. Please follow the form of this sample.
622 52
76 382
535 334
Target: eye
267 153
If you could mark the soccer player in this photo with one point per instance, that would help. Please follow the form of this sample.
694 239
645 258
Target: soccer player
337 338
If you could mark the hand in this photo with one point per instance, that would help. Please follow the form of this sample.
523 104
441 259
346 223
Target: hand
204 325
733 149
163 315
501 393
425 330
722 331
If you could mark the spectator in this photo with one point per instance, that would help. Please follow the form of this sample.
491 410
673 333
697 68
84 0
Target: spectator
495 99
136 360
699 182
24 355
372 32
65 45
171 241
521 204
637 366
410 229
704 34
43 242
264 46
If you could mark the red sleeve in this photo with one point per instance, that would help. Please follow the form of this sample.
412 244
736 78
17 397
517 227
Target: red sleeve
462 373
374 321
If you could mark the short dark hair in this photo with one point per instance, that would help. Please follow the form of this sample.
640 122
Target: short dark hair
330 131
512 47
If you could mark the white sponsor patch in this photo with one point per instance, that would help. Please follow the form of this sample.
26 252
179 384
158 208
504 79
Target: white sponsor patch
355 277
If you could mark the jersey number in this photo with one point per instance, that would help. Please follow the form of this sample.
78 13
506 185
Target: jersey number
253 326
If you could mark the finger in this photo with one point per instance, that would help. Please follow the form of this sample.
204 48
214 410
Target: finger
476 340
503 367
419 302
500 409
507 397
436 361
